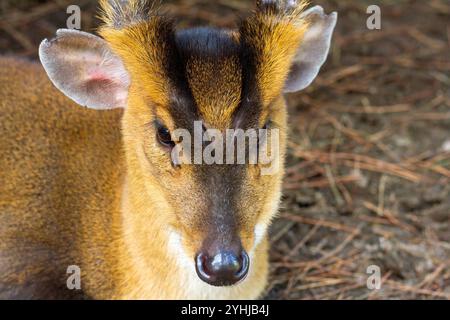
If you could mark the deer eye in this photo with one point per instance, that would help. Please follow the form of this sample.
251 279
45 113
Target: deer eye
163 136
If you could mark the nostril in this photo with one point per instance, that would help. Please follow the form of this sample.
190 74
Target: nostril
223 269
245 263
201 266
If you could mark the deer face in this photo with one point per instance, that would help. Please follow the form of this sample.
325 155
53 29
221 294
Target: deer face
184 92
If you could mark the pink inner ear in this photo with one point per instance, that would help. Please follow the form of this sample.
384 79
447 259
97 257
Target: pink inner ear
107 86
97 75
102 81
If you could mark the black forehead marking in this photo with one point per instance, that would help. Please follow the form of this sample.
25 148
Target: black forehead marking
206 42
211 61
210 44
248 113
182 106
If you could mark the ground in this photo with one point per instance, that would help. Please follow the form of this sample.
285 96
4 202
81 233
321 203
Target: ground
369 152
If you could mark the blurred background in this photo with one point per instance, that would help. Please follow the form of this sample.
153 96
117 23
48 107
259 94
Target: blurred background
368 169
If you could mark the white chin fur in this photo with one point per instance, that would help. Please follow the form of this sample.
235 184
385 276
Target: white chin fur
195 288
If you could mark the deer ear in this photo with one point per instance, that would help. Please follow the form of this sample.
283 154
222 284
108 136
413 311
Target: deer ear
313 50
85 69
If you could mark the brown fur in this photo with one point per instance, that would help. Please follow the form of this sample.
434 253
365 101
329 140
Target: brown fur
61 170
76 190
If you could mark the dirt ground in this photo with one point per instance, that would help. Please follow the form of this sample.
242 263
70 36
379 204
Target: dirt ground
369 154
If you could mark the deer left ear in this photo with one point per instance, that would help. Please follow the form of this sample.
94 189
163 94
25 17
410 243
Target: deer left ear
313 50
84 68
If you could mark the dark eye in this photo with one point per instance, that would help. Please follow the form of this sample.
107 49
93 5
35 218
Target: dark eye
163 136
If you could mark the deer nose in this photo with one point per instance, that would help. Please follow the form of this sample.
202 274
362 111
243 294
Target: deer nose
223 269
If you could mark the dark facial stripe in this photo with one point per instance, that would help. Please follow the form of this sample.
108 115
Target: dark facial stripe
222 185
182 106
248 113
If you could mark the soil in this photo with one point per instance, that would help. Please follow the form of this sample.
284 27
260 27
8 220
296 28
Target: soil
369 152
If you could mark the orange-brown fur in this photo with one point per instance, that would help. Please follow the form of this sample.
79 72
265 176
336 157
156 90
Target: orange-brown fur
77 190
60 183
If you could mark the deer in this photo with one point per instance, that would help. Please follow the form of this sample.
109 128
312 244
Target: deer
86 173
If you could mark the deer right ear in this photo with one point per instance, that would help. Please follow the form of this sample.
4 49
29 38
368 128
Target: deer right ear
85 69
313 50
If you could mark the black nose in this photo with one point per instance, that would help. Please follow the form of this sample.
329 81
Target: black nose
223 269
